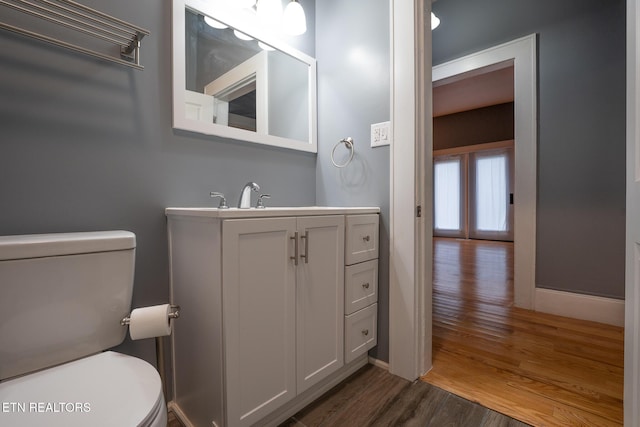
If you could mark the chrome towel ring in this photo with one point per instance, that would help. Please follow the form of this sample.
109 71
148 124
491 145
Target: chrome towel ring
348 142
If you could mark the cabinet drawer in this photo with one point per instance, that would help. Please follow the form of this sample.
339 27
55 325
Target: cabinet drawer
360 331
360 285
361 238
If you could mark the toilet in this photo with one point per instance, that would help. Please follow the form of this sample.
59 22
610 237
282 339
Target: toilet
62 299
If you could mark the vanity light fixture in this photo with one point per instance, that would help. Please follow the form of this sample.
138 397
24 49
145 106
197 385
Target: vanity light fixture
435 21
265 46
242 36
294 20
213 23
269 12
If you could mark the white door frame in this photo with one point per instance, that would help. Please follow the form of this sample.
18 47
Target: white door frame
403 258
522 54
632 270
410 251
410 263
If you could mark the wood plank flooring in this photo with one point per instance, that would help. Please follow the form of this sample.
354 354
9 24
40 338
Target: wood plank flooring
372 397
541 369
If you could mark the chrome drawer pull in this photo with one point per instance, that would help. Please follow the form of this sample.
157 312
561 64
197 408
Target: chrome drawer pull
365 332
295 245
365 285
305 236
366 238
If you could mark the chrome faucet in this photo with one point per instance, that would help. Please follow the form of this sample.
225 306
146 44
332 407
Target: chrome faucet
245 195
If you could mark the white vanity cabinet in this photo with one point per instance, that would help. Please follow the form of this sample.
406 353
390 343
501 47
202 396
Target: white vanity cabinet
261 332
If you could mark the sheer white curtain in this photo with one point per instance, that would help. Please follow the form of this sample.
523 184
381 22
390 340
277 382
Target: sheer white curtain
491 192
447 195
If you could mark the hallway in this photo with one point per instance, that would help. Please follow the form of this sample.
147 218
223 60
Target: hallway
542 369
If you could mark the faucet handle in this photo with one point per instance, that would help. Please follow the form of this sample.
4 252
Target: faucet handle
259 204
223 200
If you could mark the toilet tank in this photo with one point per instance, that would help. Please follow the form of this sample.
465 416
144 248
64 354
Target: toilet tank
62 297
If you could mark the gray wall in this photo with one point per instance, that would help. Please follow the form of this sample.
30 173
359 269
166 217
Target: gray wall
88 145
581 127
352 49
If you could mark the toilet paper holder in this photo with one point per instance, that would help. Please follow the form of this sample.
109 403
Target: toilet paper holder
173 314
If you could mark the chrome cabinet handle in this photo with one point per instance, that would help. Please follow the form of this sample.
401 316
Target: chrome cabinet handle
365 332
306 247
366 238
365 285
295 250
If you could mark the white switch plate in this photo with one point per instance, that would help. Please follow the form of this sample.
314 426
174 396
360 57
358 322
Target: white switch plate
380 134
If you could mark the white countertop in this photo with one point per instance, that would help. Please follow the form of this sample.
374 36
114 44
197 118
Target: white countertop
269 211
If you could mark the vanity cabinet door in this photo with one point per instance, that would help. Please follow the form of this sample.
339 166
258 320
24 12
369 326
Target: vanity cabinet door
259 310
320 295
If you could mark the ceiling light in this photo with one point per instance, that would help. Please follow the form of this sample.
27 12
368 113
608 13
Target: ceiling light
294 20
242 36
213 23
265 46
435 21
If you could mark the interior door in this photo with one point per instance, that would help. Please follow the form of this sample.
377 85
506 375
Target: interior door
320 299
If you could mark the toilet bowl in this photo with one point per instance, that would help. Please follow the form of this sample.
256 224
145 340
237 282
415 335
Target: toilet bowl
63 297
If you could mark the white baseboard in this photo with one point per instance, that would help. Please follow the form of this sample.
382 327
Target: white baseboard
378 363
175 408
579 306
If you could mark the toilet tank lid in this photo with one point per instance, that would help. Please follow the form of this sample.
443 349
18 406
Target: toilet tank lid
56 244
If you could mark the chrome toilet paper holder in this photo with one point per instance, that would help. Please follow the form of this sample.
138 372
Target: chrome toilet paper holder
173 314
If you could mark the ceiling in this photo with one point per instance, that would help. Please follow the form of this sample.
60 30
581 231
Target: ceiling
475 89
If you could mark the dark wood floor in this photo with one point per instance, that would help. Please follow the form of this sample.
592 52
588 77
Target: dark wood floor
374 397
542 369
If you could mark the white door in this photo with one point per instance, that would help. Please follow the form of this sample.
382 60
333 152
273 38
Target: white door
320 299
632 286
258 294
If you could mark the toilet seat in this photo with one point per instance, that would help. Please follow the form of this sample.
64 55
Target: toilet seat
107 389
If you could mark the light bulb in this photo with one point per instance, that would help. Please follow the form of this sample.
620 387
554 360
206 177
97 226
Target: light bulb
213 23
265 46
294 20
435 21
242 36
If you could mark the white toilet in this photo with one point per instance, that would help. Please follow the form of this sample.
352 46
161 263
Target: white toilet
62 298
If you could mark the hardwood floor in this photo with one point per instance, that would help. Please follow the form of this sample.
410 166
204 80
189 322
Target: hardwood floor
541 369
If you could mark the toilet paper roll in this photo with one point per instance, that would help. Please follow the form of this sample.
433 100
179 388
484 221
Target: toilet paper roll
147 322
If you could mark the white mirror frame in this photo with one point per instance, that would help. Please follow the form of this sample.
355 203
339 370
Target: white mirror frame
246 23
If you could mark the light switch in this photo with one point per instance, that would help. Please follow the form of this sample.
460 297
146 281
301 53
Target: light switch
380 134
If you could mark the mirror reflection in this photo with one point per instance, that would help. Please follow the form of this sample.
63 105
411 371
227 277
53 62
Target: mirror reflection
243 83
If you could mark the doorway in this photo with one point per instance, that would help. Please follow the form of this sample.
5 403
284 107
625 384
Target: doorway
486 66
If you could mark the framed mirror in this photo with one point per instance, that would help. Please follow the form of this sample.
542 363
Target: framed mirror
232 78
